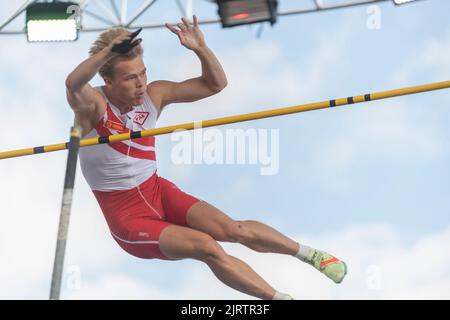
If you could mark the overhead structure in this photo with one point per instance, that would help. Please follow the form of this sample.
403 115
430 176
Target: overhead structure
98 15
239 12
403 1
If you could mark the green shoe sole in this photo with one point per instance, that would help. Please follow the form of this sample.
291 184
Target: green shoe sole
345 272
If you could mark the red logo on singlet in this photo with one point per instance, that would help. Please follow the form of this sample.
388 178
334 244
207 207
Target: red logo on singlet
140 117
115 125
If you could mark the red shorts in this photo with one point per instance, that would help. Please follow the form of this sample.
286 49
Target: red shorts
136 217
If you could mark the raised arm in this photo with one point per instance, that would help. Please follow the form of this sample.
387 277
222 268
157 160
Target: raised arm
213 78
82 98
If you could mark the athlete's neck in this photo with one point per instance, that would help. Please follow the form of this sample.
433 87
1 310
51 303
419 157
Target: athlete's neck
116 101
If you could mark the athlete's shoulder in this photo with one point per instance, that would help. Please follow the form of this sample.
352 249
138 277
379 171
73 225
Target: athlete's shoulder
155 91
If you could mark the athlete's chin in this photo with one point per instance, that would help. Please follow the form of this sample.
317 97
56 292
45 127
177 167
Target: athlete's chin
138 100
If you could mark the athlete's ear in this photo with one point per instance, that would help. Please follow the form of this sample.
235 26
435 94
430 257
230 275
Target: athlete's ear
107 80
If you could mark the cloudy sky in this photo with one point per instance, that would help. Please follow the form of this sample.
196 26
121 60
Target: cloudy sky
368 182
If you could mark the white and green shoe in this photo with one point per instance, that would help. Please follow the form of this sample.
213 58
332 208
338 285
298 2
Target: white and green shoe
329 265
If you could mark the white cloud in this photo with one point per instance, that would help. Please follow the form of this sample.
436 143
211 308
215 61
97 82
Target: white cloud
384 132
116 286
388 131
381 266
32 191
432 59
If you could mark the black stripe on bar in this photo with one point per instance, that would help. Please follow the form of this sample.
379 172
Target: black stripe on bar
333 103
67 145
38 149
135 134
350 100
102 140
367 97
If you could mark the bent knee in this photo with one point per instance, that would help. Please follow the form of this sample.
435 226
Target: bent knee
208 249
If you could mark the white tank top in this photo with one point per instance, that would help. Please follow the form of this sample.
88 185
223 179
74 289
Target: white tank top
126 164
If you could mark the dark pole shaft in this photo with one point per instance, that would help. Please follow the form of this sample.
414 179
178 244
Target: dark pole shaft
64 217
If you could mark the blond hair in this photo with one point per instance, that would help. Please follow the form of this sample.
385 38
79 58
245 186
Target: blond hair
104 40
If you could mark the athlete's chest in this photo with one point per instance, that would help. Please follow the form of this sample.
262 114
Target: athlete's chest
135 120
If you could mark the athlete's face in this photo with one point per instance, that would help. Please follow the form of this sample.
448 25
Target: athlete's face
129 81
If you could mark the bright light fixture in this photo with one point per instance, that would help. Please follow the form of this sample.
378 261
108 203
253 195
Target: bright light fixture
239 12
51 22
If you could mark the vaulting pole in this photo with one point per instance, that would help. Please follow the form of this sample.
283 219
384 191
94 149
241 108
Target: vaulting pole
233 119
64 218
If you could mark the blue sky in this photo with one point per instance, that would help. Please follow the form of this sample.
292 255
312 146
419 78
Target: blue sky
369 182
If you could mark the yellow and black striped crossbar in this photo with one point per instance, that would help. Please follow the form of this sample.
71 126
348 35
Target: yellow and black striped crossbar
232 119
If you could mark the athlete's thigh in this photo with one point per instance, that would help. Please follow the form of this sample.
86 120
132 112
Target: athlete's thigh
186 210
178 242
207 218
140 237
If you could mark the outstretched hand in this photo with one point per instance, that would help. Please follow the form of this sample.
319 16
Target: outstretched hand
189 34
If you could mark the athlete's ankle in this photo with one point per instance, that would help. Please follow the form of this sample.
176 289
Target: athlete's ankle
304 253
282 296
